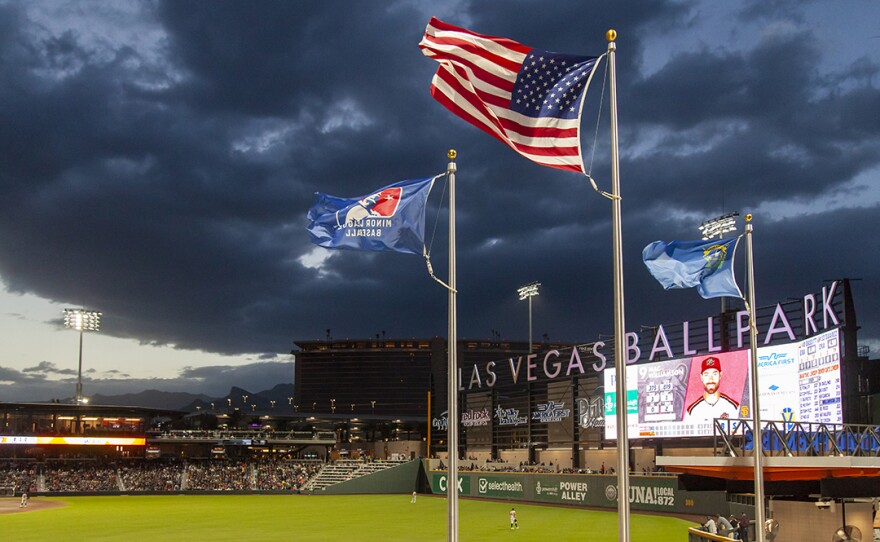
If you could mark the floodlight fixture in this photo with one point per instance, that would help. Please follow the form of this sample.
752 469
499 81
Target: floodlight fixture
528 292
718 226
81 320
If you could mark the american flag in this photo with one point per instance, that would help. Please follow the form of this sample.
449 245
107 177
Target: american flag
528 98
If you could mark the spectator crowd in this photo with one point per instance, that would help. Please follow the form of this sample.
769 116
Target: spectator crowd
158 475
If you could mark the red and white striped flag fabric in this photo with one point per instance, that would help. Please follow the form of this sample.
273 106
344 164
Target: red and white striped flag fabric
528 98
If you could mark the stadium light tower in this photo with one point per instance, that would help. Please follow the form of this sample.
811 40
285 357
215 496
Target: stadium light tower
528 292
717 227
81 320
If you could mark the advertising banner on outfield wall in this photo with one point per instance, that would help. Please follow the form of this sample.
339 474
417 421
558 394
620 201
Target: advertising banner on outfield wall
647 493
438 484
655 494
505 487
562 490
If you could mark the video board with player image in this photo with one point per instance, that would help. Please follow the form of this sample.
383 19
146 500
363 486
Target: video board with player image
681 397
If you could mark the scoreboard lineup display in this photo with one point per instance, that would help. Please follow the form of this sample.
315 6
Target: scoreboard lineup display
819 379
798 382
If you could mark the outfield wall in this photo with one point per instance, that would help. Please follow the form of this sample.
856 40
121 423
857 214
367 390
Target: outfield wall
400 479
647 493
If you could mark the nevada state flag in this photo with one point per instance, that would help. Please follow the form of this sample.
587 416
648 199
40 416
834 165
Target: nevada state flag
708 265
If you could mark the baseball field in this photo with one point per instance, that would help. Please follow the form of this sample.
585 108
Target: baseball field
239 518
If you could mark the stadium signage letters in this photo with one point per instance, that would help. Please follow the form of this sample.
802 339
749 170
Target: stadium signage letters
546 490
509 416
495 486
638 494
475 418
573 491
817 314
591 413
508 487
463 484
551 412
441 423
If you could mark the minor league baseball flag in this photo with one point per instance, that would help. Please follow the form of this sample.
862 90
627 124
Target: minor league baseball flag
391 218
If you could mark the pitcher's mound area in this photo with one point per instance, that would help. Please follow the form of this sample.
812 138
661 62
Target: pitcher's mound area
10 505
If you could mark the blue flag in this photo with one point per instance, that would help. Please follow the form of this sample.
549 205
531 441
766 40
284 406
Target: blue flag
708 265
391 218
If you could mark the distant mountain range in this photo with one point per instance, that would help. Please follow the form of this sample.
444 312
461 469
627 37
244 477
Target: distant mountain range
189 402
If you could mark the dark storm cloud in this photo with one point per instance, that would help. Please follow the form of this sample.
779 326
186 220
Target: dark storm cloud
773 128
168 185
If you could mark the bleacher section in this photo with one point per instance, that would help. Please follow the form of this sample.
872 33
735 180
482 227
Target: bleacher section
81 476
348 469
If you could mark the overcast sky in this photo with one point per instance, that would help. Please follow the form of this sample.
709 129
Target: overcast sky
159 158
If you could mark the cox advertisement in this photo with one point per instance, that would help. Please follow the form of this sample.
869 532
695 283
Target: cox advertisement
681 397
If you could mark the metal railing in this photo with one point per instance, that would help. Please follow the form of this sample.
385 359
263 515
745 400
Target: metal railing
796 439
227 435
696 535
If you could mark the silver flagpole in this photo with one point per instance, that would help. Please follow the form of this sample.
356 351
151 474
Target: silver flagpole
757 449
619 321
452 348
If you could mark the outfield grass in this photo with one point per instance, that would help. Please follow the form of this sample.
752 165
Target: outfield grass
386 518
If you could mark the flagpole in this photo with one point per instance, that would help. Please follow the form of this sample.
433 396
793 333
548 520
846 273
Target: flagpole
428 452
757 449
452 352
619 325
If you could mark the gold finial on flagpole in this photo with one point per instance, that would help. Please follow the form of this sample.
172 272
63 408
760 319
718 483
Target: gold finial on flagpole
749 217
611 35
451 154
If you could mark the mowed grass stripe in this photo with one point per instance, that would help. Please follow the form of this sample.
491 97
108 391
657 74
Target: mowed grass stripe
389 518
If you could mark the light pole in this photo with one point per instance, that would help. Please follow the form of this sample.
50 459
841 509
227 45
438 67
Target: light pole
717 227
81 320
528 292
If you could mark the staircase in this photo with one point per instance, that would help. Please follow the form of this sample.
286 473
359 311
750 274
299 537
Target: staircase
347 469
